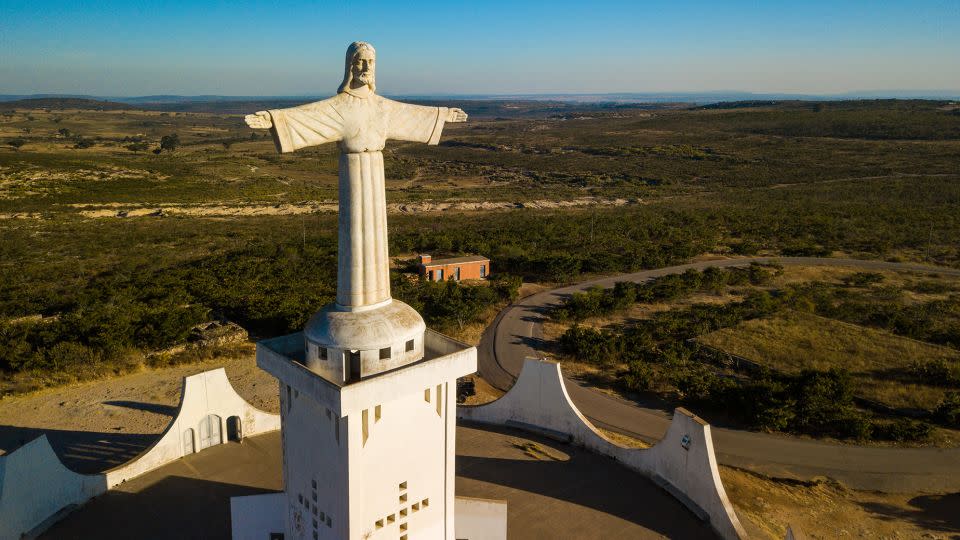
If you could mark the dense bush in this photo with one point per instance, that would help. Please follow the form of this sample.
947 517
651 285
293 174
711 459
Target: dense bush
948 412
600 301
937 372
448 304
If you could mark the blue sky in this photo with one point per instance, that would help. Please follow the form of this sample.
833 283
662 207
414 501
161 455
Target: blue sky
297 47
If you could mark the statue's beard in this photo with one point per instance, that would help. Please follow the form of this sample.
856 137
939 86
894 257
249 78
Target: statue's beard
364 78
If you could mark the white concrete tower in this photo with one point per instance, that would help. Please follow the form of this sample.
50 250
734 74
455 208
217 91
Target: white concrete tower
367 394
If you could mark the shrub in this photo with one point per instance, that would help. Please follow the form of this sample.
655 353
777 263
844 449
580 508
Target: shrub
939 372
590 345
863 279
902 430
948 411
639 376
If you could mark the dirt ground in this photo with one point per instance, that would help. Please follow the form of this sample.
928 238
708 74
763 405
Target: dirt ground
143 403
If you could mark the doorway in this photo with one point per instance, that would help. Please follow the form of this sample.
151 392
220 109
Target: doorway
234 429
210 434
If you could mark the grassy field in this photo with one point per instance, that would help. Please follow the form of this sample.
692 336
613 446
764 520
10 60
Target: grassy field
104 234
793 341
839 352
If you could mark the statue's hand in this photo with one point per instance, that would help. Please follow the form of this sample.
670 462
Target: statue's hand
456 115
259 120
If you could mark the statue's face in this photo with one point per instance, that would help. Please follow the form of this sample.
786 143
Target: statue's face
362 68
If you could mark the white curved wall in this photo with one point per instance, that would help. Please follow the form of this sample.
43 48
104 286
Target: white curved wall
35 486
203 394
683 462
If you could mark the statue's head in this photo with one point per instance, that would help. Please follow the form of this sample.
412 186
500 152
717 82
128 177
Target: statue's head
359 70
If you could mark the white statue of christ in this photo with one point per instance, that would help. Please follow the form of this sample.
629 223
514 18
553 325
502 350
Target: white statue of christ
360 121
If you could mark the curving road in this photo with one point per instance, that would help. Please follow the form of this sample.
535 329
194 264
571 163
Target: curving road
517 330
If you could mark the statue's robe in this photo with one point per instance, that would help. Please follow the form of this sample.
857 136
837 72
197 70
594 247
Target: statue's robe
361 122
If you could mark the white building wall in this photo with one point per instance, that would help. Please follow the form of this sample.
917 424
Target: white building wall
481 519
392 472
254 517
398 468
315 463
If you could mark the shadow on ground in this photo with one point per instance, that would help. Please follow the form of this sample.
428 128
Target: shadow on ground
556 490
935 512
85 452
189 498
553 490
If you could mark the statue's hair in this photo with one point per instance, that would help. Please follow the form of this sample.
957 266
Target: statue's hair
352 51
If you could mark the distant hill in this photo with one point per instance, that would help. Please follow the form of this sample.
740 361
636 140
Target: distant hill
65 103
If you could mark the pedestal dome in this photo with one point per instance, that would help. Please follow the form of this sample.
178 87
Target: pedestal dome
345 345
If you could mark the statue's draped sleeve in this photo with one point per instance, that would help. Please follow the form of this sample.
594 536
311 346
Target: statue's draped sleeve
414 122
306 125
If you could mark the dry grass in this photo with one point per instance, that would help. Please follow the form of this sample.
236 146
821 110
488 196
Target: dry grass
793 341
826 509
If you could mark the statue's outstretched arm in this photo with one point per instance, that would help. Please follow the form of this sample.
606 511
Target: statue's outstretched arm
456 115
261 120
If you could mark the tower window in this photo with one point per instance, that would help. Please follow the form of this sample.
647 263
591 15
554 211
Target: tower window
385 353
323 353
409 346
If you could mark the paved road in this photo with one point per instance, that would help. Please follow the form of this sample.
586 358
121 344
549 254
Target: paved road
517 331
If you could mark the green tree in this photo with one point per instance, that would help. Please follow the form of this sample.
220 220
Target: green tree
170 142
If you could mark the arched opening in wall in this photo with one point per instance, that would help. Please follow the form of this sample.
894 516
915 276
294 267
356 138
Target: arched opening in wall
234 429
210 433
188 442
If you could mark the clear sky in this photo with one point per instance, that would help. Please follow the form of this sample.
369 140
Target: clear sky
296 47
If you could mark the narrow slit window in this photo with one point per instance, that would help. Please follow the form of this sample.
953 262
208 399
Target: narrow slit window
366 429
329 522
376 413
323 353
439 401
426 395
